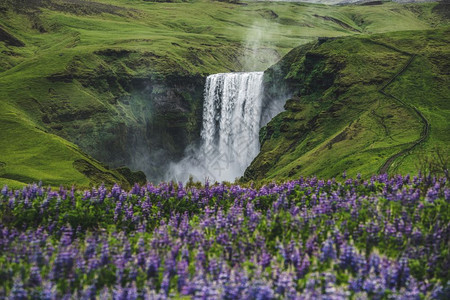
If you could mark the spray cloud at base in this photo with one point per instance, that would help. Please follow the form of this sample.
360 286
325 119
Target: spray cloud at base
231 123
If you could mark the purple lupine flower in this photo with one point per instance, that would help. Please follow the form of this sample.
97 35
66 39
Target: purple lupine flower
411 293
266 259
48 292
93 264
374 263
328 251
284 283
116 191
127 251
303 268
356 284
432 195
370 285
91 248
404 271
182 272
260 291
165 285
132 293
89 293
129 212
136 190
117 211
35 278
11 202
5 190
170 265
104 256
18 292
63 263
207 292
311 244
440 292
153 265
120 293
348 258
213 268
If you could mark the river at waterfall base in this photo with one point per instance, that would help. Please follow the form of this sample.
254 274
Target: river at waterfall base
229 137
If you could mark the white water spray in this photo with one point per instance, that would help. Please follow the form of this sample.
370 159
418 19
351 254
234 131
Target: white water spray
231 123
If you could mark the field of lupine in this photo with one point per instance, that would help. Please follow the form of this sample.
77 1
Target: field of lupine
383 238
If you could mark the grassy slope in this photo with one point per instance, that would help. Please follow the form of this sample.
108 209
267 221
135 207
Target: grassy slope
63 40
426 85
348 124
36 154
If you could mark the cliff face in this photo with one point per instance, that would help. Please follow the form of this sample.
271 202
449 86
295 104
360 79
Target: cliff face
121 114
146 127
358 105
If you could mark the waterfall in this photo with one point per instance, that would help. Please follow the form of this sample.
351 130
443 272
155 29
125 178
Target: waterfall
231 117
230 129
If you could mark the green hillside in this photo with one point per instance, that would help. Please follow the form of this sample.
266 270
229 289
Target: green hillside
88 81
364 104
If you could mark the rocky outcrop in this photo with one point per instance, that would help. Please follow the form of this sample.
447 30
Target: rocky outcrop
9 39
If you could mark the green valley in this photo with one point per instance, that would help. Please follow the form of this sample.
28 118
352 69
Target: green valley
87 87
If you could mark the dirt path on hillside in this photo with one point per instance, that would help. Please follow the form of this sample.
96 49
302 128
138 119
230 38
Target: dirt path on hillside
426 125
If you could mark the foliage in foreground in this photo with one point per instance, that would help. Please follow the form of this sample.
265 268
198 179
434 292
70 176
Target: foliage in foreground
308 238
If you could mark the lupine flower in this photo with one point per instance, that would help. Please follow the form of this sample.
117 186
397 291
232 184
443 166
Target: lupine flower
35 277
328 251
290 240
89 293
18 292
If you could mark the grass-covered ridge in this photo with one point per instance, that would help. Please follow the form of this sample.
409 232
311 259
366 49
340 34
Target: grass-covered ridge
303 239
366 104
78 70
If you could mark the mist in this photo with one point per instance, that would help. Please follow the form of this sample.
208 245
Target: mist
258 50
206 159
230 129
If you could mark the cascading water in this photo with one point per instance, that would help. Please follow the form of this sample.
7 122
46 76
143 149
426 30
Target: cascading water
231 123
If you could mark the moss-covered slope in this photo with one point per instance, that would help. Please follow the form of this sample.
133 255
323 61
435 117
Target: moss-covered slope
362 104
